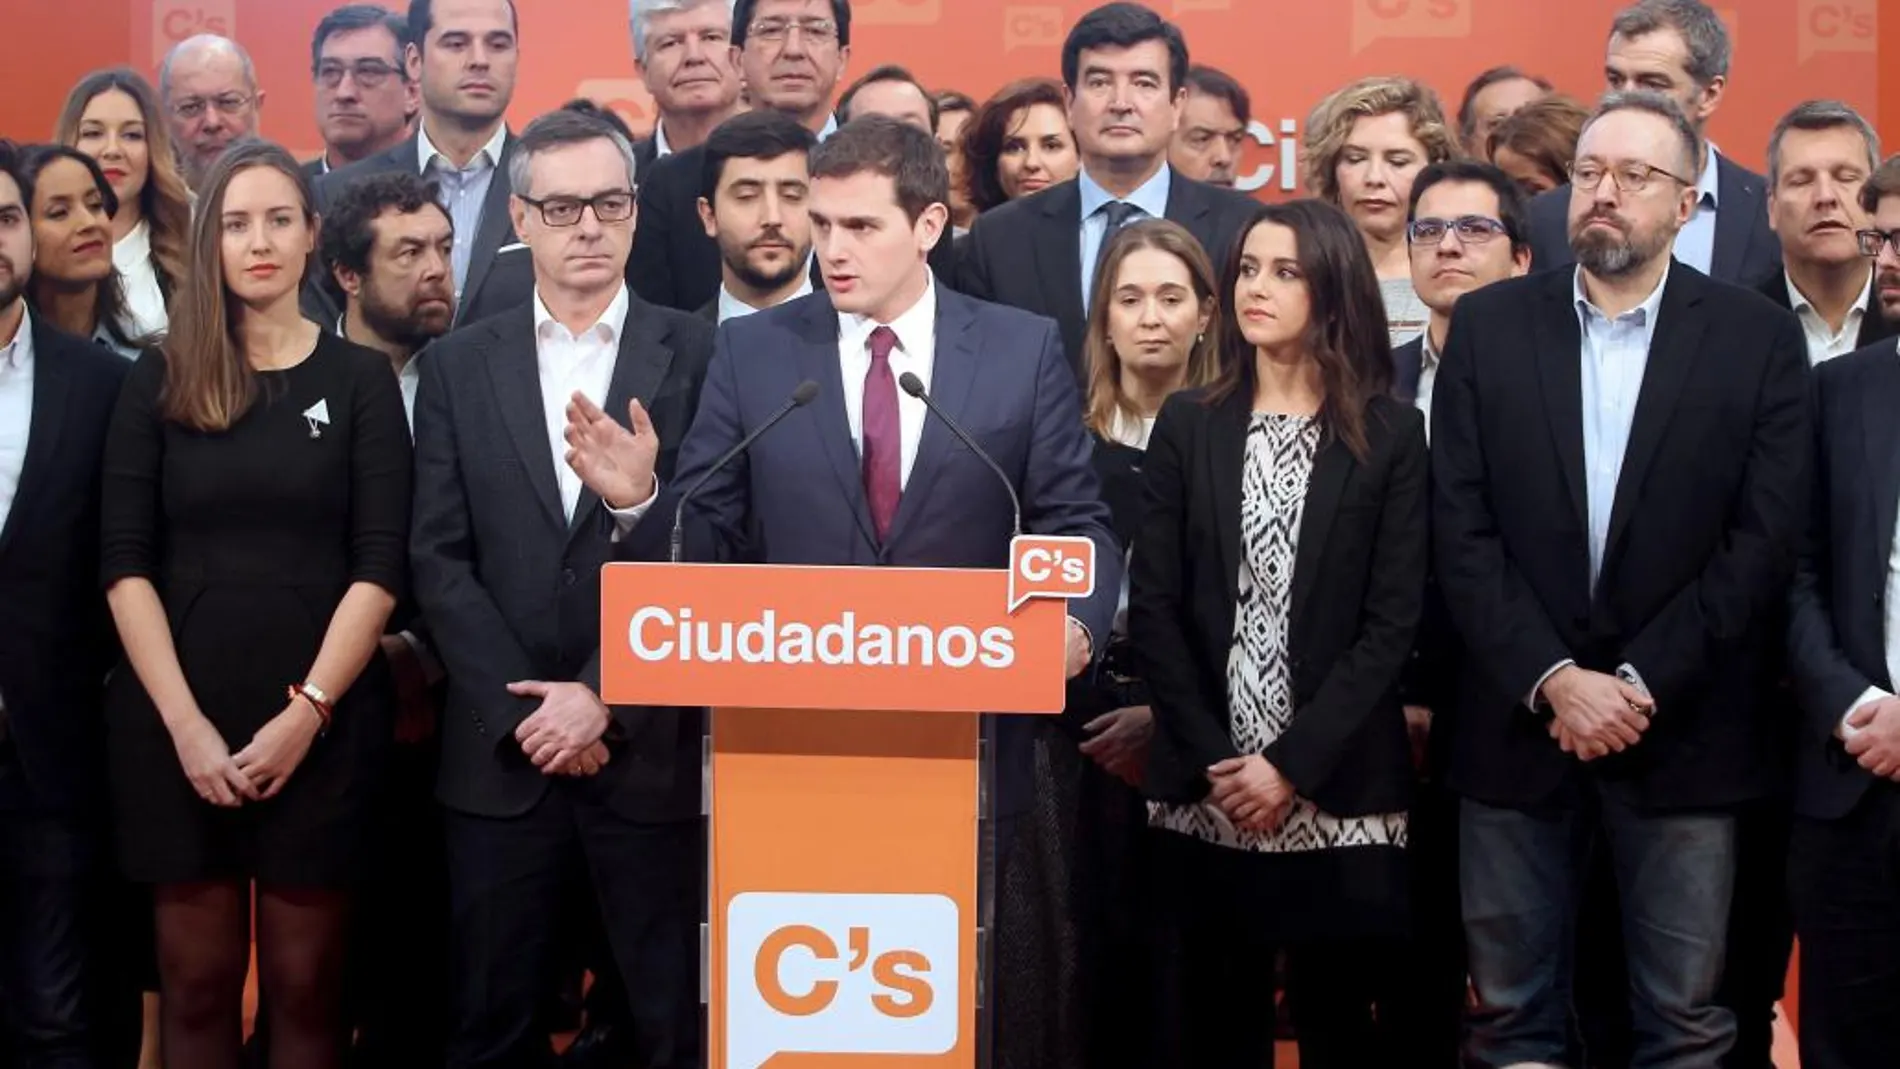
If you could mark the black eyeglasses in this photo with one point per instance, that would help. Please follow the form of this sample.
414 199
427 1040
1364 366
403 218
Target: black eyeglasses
1587 175
1872 240
368 73
613 206
778 31
1471 229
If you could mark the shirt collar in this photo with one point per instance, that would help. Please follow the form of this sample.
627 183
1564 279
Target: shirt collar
830 127
731 307
915 324
1798 302
607 328
1708 184
1427 352
427 152
661 149
17 355
1644 313
1151 197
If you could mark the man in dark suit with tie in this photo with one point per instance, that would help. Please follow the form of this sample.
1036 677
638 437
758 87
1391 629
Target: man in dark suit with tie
1844 647
1680 48
1126 72
507 547
57 394
1619 456
468 52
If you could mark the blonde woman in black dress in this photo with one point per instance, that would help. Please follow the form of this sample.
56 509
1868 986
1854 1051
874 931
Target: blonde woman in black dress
256 504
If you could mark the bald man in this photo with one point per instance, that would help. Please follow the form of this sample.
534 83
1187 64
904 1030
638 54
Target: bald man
209 89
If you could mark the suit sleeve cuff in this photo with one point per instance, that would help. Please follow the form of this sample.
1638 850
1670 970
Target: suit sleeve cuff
432 670
1843 730
1537 692
625 520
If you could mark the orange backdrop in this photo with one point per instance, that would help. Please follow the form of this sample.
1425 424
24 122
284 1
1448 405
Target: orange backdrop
1289 52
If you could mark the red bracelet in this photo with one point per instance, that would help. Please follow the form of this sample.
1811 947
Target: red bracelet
315 697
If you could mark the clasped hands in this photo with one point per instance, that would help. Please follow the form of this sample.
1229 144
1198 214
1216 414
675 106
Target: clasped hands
1593 714
257 772
1251 793
563 736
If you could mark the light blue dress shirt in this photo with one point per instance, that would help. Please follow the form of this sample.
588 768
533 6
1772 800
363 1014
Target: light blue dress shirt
1615 354
1151 198
464 191
1695 242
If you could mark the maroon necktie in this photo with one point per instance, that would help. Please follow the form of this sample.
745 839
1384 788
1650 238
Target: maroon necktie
883 448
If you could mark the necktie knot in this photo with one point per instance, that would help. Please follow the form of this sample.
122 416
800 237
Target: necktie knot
883 342
1118 213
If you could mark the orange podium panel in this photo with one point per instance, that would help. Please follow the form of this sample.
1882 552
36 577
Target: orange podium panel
845 784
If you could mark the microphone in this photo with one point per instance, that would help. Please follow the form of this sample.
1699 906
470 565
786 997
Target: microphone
802 396
914 386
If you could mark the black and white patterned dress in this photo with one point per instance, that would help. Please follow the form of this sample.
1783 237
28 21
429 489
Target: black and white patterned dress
1279 462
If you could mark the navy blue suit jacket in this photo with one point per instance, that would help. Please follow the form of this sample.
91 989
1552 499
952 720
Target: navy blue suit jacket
798 497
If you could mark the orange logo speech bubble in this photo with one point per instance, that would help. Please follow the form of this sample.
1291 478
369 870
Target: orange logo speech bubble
1032 26
1374 20
1834 26
1055 567
177 20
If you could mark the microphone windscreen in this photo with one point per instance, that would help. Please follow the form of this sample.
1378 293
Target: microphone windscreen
806 393
912 385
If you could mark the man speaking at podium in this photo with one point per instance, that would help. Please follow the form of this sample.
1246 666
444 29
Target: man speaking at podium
865 473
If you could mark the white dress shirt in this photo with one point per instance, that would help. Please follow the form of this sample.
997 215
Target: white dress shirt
661 149
1695 242
464 190
731 307
16 411
144 301
1824 342
916 352
580 363
1427 380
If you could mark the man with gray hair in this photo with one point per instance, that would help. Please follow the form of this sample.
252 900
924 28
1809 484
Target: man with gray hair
1680 49
1618 583
1819 159
684 51
211 98
538 775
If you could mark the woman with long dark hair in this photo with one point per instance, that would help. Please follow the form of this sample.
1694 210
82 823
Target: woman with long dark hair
256 508
113 116
75 285
1276 584
1019 143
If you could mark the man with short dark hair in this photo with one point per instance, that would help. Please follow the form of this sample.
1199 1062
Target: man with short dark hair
1126 72
1819 159
1492 96
684 51
756 187
1880 202
1213 127
893 92
57 394
389 244
1681 49
365 100
792 54
468 53
1617 587
538 775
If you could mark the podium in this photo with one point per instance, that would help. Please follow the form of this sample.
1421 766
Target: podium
845 781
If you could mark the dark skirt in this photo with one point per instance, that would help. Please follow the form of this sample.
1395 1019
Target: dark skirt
1342 894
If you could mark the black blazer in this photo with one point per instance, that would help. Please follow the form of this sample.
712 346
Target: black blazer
510 589
1746 250
497 280
1701 537
1408 361
1028 253
1358 590
646 153
1837 641
58 642
1874 325
674 263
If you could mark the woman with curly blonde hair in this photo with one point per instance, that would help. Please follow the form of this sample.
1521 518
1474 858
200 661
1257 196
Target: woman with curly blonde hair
1364 145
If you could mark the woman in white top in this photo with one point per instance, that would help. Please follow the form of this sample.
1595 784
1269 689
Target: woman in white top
113 116
1364 145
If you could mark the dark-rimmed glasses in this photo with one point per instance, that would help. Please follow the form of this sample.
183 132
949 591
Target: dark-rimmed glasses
613 206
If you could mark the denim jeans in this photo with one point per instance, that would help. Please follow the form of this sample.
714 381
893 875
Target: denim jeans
1520 877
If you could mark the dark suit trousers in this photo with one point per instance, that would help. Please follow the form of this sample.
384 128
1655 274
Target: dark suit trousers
1845 879
506 881
46 884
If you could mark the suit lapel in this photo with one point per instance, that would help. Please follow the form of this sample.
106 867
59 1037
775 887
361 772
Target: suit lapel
1059 255
1873 323
1882 433
1226 463
492 232
1331 467
513 371
1739 202
1673 349
51 387
952 374
1188 206
639 369
818 361
1559 358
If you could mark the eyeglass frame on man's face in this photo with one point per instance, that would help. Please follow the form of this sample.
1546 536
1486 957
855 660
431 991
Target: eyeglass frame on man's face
1876 238
1472 230
191 109
581 205
1637 173
777 31
368 73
